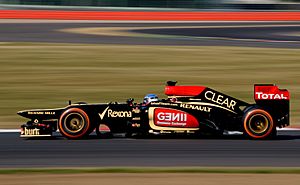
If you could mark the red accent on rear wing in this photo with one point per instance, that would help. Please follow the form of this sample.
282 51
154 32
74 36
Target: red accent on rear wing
183 90
270 92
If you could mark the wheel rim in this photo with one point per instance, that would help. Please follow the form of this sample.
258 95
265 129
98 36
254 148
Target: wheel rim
258 123
74 122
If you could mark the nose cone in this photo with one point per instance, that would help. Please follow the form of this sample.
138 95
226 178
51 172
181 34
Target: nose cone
22 113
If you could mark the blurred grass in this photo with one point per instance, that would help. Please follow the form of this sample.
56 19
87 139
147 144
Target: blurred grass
35 75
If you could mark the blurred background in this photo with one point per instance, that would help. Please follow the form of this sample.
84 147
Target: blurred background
43 64
193 4
110 50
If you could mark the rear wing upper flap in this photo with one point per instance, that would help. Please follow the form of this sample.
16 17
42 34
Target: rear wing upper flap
270 92
275 100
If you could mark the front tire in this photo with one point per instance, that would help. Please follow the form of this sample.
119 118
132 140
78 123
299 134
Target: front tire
258 124
74 123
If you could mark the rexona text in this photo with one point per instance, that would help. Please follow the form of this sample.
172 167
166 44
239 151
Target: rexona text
119 114
220 99
115 114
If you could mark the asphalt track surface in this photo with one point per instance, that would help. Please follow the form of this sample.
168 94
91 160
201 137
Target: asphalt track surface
230 151
251 34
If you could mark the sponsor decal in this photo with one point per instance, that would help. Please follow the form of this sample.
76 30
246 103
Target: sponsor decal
101 115
36 113
136 110
220 99
165 132
270 92
270 96
30 132
115 114
165 104
41 113
135 125
195 99
50 113
196 107
119 114
174 118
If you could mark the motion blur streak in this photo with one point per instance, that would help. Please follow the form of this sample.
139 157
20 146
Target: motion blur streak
35 75
152 16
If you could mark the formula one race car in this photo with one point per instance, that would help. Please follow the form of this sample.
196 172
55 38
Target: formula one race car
187 110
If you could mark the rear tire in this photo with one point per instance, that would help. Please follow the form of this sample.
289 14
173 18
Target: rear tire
258 124
74 123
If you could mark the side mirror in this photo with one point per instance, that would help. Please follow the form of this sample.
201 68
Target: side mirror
129 101
171 83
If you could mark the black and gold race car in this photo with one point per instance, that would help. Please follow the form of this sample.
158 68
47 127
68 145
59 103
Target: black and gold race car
186 110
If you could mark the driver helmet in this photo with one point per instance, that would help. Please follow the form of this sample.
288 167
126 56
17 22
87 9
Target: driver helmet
150 98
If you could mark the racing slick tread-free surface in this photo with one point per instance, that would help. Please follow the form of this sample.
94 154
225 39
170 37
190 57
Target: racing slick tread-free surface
75 135
246 121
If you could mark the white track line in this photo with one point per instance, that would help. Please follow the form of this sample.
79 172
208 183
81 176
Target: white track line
289 129
9 130
18 130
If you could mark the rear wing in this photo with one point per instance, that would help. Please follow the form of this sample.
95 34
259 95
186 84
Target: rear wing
270 92
274 100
